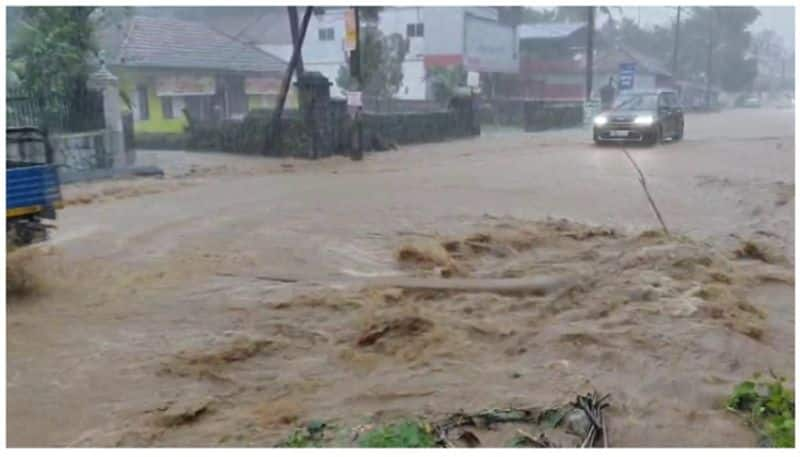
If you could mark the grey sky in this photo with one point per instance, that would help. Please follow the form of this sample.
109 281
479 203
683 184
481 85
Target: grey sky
778 18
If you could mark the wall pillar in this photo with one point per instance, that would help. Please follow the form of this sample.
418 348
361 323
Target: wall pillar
106 83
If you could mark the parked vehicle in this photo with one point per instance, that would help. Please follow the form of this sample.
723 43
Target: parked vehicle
33 191
751 102
643 116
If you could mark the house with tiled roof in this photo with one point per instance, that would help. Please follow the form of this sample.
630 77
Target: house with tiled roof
167 65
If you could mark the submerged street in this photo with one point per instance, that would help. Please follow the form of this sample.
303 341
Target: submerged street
230 284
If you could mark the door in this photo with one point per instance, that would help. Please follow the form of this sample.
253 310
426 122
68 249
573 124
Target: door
677 113
665 115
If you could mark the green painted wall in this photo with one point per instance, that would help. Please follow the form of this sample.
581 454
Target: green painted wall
156 123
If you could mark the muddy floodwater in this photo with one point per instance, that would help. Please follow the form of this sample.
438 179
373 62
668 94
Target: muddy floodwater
239 298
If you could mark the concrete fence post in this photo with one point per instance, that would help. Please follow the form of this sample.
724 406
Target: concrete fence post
108 85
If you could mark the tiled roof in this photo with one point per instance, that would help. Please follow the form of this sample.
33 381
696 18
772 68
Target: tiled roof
609 60
548 31
171 43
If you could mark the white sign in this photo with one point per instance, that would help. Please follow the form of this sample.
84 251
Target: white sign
354 99
490 47
473 79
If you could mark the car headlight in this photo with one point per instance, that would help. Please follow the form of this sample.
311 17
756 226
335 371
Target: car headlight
643 120
600 120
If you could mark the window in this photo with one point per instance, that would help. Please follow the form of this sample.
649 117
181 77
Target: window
326 34
673 101
415 30
166 107
637 102
142 103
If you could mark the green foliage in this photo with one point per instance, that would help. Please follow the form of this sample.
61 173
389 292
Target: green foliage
725 29
51 47
50 54
446 81
770 407
310 436
298 439
381 64
408 434
249 135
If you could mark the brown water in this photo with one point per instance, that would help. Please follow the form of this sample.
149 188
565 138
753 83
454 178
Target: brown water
150 329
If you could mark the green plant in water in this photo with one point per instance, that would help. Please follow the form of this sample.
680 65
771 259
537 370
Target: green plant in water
310 436
770 407
407 434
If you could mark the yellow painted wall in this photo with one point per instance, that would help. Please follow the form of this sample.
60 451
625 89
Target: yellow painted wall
156 123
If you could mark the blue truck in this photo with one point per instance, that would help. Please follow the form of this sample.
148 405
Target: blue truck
33 190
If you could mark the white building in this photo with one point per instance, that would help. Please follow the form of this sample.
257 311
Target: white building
438 37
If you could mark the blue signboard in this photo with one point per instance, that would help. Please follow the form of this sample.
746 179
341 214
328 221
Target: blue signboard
627 72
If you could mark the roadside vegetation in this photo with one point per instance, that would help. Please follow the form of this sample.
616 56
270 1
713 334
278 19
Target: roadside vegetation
768 407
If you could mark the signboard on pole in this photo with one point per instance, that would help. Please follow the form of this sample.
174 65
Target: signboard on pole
473 79
350 34
627 74
490 47
354 99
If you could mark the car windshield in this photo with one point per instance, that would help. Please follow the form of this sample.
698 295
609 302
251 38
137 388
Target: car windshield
637 102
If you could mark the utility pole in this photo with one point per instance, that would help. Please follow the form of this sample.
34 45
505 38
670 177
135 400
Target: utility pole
711 14
355 61
295 38
675 48
274 133
589 50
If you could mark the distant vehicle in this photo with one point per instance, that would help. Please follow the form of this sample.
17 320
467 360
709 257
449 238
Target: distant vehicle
643 116
33 191
751 102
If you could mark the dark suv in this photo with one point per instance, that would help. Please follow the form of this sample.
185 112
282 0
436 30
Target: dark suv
641 116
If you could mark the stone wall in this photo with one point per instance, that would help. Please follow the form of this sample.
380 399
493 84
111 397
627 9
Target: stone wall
332 131
81 151
532 115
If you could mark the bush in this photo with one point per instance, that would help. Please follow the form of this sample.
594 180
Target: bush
403 435
249 135
770 409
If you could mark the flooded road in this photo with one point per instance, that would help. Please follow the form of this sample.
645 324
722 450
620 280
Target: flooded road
150 302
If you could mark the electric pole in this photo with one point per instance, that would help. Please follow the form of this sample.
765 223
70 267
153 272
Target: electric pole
273 138
589 50
709 65
675 49
355 70
295 38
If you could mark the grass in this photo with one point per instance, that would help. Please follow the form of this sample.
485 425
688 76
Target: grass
408 434
770 409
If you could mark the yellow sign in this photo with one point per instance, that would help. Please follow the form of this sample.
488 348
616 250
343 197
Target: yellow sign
350 32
